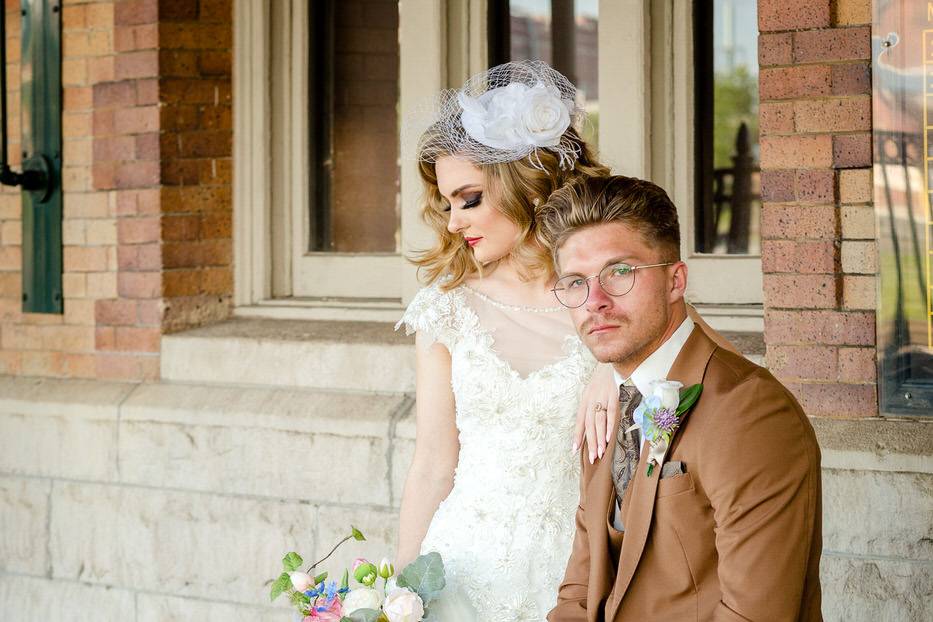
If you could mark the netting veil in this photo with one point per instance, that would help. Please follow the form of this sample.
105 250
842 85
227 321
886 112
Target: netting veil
505 114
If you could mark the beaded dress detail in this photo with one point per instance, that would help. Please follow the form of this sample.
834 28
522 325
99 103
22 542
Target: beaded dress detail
505 530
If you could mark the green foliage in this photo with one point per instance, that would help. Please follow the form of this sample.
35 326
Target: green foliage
365 615
688 398
292 562
356 533
425 576
735 99
280 585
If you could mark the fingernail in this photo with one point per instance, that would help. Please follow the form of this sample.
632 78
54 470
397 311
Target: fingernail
600 453
592 458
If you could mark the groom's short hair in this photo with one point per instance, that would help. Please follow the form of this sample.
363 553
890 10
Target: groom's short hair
594 200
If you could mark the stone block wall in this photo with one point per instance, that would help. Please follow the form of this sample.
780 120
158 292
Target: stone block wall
156 502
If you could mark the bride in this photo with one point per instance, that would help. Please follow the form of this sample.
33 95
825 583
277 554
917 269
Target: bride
493 484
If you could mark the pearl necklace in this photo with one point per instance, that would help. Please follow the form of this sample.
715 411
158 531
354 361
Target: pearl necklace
502 305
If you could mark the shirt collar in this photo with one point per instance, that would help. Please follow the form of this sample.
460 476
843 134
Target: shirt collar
659 363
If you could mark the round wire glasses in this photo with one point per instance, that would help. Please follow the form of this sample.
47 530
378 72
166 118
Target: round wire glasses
616 279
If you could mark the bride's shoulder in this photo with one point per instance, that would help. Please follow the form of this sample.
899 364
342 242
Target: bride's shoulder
434 308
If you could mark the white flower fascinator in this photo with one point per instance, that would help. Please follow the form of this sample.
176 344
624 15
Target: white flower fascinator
505 114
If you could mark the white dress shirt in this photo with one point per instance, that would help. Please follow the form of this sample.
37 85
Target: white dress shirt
656 367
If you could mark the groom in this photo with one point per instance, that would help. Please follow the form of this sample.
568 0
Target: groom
725 524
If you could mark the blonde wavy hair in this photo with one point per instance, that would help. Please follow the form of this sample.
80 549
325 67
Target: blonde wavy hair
518 188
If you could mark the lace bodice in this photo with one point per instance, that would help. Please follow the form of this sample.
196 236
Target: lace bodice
505 530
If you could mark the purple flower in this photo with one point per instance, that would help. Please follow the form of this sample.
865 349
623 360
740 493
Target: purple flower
666 420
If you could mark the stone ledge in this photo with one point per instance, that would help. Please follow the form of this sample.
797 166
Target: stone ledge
899 445
88 399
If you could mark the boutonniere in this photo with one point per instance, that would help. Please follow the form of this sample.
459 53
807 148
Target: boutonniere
659 416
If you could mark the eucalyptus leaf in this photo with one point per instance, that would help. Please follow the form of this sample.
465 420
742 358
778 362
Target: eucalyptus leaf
356 533
280 585
292 562
688 398
425 576
364 615
321 577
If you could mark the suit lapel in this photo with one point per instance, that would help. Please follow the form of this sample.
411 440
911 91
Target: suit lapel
638 509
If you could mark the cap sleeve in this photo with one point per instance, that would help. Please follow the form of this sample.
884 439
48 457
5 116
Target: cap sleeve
433 313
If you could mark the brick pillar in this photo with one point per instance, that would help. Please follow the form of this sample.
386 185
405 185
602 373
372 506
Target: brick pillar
818 248
146 188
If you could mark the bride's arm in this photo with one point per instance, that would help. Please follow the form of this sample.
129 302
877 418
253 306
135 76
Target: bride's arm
437 448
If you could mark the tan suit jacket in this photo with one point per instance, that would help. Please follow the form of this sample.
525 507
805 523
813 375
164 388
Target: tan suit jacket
735 537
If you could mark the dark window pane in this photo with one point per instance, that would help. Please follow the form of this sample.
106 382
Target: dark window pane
726 78
353 93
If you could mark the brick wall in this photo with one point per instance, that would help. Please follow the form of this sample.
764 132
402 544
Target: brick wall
146 180
818 227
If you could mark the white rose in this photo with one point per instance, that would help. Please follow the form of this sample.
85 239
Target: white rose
403 605
668 391
301 580
493 118
545 117
361 598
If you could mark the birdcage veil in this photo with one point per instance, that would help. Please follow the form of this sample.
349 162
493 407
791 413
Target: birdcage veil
503 114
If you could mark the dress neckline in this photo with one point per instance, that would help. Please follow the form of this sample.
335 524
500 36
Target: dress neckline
508 307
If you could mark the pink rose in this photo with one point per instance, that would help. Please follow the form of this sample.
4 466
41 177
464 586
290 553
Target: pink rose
325 611
359 561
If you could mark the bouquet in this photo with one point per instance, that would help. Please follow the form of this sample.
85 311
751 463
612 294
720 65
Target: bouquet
401 598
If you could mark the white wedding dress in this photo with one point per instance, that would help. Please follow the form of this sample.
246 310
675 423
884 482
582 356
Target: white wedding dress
505 530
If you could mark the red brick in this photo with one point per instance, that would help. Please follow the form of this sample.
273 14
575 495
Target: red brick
217 281
215 63
796 152
115 312
178 228
802 362
79 365
133 38
138 230
176 90
216 118
206 144
176 117
815 186
837 400
798 221
790 82
147 92
130 12
793 15
832 44
178 63
799 256
847 114
857 365
216 252
180 173
136 174
852 151
103 122
115 148
778 186
217 225
217 11
149 312
136 65
105 338
137 120
775 49
181 283
49 364
851 79
85 259
124 367
78 98
853 328
776 117
178 10
139 284
148 146
136 339
182 255
798 291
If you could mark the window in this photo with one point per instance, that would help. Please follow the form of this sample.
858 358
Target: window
728 201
